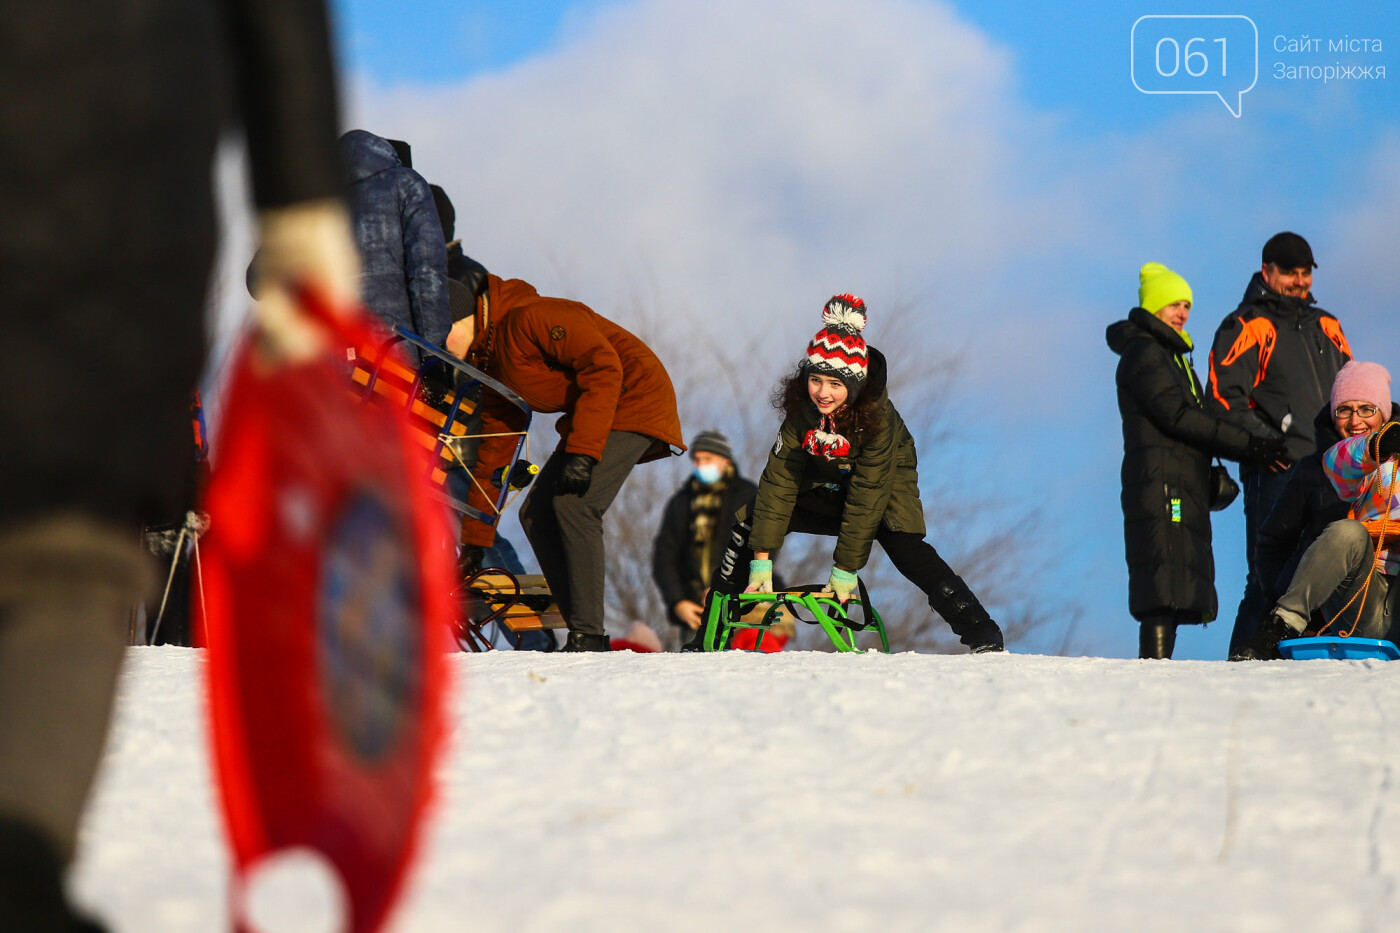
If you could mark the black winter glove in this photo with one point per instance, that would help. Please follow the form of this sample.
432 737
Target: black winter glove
470 560
1385 444
433 393
1263 450
575 476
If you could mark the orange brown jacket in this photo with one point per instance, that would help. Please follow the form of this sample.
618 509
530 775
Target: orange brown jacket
561 356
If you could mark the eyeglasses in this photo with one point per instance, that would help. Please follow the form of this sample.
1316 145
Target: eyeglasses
1361 411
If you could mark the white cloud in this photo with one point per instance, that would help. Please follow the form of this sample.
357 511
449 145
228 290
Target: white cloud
1363 236
731 158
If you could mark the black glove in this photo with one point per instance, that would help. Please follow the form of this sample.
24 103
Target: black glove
470 560
1263 450
1385 444
575 476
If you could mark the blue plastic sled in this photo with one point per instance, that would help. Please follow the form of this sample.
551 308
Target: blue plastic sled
1338 649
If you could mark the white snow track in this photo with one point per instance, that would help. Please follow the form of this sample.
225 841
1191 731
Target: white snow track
816 792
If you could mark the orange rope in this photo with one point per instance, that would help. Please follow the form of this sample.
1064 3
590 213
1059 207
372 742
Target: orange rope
1380 546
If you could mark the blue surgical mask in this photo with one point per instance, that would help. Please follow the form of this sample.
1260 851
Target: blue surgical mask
709 473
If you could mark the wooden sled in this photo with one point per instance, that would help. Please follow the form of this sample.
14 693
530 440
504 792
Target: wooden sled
518 604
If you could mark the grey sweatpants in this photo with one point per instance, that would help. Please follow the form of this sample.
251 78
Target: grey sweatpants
67 587
1332 570
566 532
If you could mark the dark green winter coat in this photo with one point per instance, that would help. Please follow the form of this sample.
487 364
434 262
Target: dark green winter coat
1168 442
877 484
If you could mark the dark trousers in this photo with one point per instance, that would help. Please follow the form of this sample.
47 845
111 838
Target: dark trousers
912 556
566 532
1261 490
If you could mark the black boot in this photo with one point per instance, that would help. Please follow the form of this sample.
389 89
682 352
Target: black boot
31 884
1156 639
959 607
585 641
1263 644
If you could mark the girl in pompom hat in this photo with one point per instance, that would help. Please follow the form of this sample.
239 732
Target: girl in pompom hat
844 465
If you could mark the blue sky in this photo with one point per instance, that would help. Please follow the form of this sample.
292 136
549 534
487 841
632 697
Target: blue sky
990 164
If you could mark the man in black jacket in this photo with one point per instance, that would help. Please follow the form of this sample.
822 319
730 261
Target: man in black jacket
1271 367
111 115
697 519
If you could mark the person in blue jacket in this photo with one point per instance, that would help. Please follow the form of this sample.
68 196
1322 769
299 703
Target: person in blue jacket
403 259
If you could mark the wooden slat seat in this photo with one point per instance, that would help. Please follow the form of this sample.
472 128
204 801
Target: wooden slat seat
532 610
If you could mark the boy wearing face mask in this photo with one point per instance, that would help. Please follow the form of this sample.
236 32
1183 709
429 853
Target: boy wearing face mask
694 527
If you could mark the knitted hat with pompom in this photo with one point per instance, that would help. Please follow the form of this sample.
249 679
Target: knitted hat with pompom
838 349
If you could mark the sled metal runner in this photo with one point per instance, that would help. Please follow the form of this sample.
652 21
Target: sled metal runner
725 617
1338 649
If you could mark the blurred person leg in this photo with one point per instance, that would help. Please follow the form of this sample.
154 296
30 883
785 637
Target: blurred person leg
68 584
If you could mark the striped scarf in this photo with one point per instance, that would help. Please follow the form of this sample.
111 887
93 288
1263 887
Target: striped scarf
706 502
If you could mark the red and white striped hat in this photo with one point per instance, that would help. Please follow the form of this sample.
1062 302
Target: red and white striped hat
838 349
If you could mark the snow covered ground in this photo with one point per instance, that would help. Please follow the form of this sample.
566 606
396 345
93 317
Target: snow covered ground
818 792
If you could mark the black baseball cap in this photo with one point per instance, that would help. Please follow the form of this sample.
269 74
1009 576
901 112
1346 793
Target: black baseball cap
1288 251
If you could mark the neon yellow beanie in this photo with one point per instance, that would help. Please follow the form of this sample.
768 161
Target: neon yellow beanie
1160 287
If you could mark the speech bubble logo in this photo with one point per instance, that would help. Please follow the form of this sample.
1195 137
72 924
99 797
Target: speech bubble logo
1215 54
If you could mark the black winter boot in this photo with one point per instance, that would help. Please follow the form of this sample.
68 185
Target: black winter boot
31 884
1263 644
583 641
959 607
1156 640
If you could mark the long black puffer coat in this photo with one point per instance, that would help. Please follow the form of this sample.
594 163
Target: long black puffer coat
1168 442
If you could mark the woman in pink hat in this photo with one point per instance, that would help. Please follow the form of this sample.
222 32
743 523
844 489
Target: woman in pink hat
1347 575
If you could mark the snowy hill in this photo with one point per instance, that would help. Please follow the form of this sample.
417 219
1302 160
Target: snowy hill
816 792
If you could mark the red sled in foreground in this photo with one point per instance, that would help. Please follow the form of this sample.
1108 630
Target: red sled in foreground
328 571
